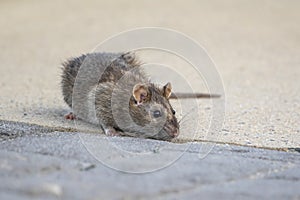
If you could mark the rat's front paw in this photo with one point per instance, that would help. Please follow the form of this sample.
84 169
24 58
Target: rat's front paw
111 132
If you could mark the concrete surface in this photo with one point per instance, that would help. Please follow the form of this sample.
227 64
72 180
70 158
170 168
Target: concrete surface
254 44
39 164
256 47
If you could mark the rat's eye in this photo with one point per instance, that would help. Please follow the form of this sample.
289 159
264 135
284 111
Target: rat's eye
173 111
156 114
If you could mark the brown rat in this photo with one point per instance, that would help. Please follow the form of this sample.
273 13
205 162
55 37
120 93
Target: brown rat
119 96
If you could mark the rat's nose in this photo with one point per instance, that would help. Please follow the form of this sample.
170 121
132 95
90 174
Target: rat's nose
174 133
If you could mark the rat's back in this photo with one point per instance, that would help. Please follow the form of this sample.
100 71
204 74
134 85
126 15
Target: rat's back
94 68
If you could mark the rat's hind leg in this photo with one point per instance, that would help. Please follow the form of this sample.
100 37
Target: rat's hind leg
70 116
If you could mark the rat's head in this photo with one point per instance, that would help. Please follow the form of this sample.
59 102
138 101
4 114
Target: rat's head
150 106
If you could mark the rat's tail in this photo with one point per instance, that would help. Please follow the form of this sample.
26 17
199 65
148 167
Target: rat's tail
193 95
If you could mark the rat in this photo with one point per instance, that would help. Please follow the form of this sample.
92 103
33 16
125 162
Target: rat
147 104
112 90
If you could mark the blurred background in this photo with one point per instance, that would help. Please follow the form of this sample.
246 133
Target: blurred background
255 45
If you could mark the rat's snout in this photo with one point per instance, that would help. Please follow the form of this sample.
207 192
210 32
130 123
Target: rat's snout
172 127
174 133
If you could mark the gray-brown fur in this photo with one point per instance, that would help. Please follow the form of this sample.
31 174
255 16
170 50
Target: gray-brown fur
103 93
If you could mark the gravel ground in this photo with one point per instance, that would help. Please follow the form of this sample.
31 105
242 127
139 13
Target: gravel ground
40 164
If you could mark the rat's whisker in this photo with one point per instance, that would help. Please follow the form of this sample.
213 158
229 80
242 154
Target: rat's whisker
183 122
188 113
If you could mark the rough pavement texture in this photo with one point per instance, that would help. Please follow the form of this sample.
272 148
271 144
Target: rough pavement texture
56 165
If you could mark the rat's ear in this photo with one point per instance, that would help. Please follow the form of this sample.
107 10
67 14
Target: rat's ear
167 90
140 93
